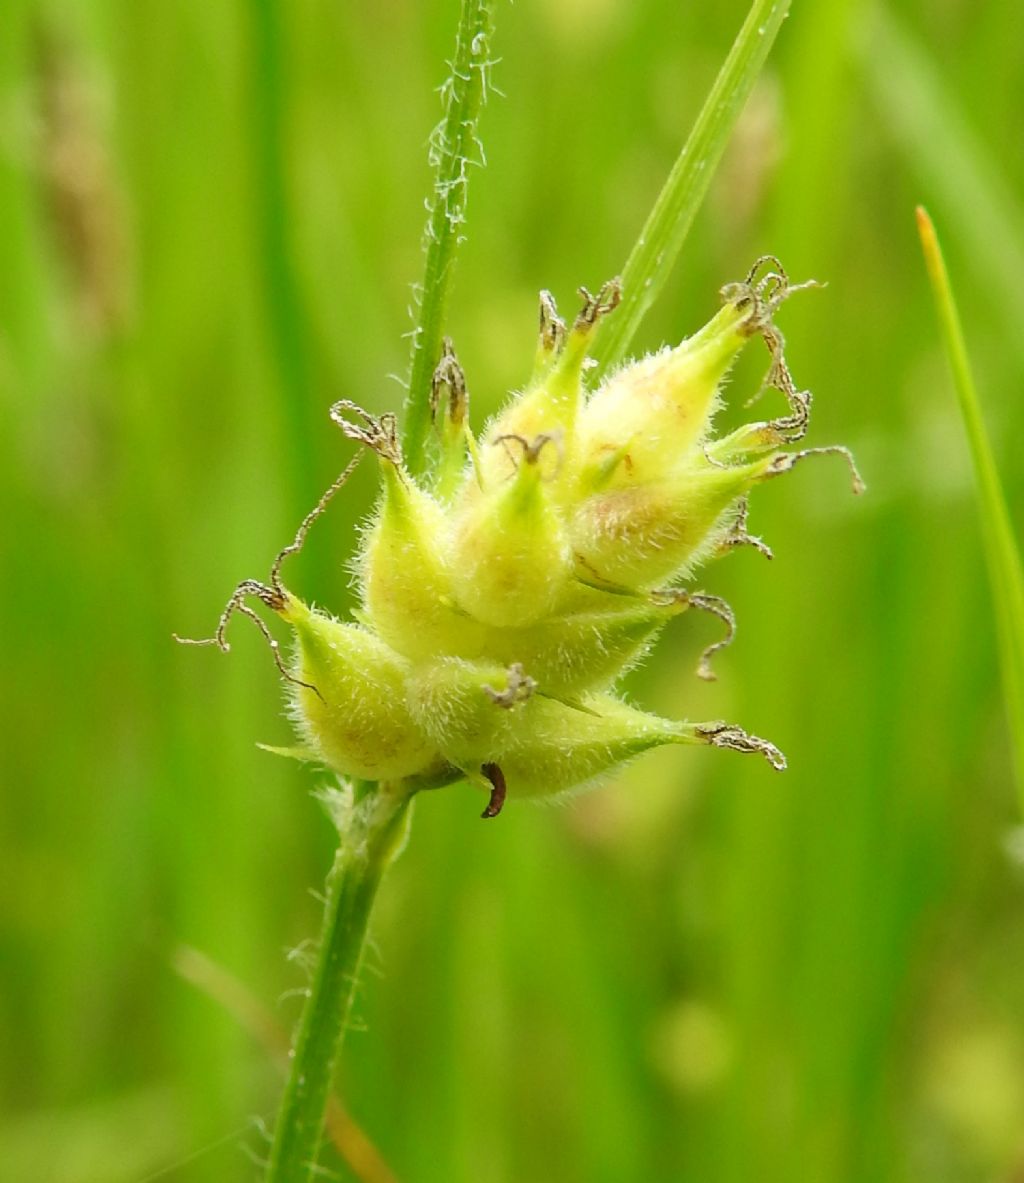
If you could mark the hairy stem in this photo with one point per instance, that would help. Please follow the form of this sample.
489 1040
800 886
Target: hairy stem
454 147
370 838
655 252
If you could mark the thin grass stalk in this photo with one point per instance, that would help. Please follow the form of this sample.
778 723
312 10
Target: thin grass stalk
370 837
1002 554
652 258
454 148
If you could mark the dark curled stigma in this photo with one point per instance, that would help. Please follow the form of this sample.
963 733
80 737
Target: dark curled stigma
497 779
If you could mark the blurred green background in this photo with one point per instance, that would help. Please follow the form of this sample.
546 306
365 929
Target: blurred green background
210 216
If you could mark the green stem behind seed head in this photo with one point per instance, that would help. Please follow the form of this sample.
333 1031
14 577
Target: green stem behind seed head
371 833
1001 550
454 149
655 252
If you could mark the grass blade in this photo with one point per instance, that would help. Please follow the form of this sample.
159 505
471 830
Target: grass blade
1001 552
655 252
454 147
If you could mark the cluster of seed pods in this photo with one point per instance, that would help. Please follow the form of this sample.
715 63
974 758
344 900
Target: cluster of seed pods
503 598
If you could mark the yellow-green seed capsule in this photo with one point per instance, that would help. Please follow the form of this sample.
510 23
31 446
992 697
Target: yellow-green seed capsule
561 747
347 700
449 407
510 557
406 580
551 403
588 649
471 711
641 535
480 715
651 414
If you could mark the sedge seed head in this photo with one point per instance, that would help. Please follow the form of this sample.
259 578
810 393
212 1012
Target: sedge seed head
503 597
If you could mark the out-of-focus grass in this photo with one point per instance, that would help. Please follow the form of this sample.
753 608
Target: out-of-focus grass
1002 552
210 215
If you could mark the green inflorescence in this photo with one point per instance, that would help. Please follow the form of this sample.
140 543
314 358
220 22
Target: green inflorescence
502 598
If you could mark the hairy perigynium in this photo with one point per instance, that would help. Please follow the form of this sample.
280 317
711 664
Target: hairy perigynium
502 599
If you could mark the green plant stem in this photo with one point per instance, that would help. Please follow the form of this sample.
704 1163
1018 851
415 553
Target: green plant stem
1001 551
656 250
370 838
454 149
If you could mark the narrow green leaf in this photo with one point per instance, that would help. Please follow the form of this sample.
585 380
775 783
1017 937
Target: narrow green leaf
1001 551
665 230
454 150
